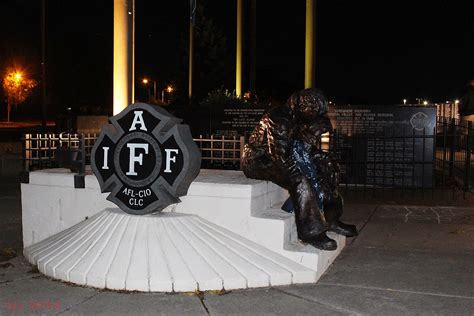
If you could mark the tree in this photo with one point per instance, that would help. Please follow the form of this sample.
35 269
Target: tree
212 58
17 88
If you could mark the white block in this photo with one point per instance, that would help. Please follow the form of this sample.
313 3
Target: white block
231 234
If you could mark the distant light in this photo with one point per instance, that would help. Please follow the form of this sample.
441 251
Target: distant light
325 138
69 109
456 101
145 81
330 102
18 76
169 89
425 102
404 101
130 12
447 102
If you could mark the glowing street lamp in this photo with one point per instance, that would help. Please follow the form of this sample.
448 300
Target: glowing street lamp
17 88
168 89
12 84
145 81
404 101
425 102
17 77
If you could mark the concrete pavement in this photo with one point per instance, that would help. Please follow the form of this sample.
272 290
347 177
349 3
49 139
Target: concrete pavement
407 260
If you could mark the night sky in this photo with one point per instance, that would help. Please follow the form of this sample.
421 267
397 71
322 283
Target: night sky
367 52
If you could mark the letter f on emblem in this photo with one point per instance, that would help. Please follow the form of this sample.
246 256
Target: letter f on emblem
133 158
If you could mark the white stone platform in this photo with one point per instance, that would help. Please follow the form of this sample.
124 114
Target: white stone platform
161 252
224 212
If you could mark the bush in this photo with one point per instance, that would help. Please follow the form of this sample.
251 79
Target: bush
221 98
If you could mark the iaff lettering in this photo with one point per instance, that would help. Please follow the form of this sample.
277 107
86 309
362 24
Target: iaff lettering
148 155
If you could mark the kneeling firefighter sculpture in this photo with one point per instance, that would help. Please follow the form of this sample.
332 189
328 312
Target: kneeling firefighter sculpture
283 148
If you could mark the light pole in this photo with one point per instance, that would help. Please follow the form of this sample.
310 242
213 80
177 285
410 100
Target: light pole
168 89
238 54
43 65
14 82
455 108
309 45
124 54
145 82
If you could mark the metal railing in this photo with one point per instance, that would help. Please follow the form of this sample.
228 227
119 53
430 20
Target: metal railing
454 154
401 160
420 160
42 150
221 152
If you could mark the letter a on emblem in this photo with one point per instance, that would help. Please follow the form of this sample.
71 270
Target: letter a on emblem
138 119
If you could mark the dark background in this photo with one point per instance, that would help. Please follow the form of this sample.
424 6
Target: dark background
367 52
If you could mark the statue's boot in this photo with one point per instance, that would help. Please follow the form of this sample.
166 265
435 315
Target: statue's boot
343 229
322 241
288 206
310 222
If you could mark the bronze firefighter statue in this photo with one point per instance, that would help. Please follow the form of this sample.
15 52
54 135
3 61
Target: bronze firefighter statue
284 148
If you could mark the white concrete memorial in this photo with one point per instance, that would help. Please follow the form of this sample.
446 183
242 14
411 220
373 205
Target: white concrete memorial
227 231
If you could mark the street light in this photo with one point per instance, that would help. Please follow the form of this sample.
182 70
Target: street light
404 101
168 89
145 81
12 85
17 76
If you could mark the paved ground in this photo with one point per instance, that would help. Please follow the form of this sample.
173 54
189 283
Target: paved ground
406 260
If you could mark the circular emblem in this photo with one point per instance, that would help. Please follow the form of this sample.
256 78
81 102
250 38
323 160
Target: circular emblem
419 121
146 159
147 170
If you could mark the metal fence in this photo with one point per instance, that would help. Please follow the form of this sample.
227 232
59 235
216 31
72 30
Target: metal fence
48 150
389 159
45 150
415 160
437 160
221 152
454 159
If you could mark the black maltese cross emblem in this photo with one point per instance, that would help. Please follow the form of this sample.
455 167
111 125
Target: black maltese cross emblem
146 159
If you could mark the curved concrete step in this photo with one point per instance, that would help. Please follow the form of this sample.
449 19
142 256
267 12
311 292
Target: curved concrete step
161 252
275 229
252 208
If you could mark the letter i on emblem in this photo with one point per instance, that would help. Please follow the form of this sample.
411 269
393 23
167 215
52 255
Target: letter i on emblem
106 158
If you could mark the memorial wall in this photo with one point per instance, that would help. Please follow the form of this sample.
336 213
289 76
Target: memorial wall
386 145
236 121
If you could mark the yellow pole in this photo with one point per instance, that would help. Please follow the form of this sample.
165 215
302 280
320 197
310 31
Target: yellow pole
238 66
191 52
253 47
309 46
124 59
